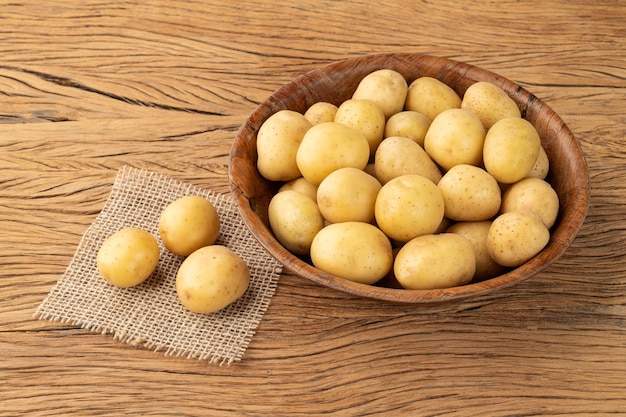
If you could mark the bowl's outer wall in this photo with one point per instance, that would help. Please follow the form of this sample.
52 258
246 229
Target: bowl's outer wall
335 83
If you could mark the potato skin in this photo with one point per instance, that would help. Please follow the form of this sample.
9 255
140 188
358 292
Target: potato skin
534 195
128 257
489 102
469 193
511 148
515 237
429 96
189 223
387 88
409 206
476 233
355 251
295 219
366 117
435 261
278 141
408 124
398 156
321 112
328 146
211 278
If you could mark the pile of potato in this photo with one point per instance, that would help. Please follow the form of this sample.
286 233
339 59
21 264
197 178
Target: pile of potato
412 183
210 277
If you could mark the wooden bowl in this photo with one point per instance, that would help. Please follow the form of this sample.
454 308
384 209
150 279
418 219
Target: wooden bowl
335 83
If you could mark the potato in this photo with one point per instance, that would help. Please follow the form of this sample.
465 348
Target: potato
328 146
348 194
189 223
398 156
409 206
511 148
408 124
515 237
541 167
387 88
320 112
534 195
278 141
489 102
455 136
295 219
211 278
469 193
364 116
128 257
429 96
355 251
476 233
435 261
301 185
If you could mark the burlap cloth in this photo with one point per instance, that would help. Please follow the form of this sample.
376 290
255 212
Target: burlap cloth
150 315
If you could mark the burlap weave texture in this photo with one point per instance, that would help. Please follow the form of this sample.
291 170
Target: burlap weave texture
150 314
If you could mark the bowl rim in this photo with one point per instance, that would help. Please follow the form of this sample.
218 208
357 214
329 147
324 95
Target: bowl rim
561 237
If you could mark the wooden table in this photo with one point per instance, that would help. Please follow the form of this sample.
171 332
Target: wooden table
88 86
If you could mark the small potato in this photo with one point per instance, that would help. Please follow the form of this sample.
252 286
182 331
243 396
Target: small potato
295 219
469 193
541 167
320 112
348 194
409 206
328 146
398 156
455 136
301 185
364 116
355 251
211 278
387 88
476 233
515 237
534 195
511 148
429 96
277 143
128 257
408 124
435 261
189 223
489 102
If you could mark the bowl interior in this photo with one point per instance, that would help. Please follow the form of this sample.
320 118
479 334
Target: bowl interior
335 83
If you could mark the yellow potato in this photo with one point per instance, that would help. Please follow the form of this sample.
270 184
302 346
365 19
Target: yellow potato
128 257
511 148
211 278
320 112
364 116
515 237
348 194
408 124
469 193
409 206
429 96
455 136
435 261
476 233
295 219
355 251
489 102
277 143
301 185
330 146
534 195
387 88
541 167
398 156
189 223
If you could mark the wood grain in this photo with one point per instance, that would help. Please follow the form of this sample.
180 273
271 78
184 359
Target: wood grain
86 87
